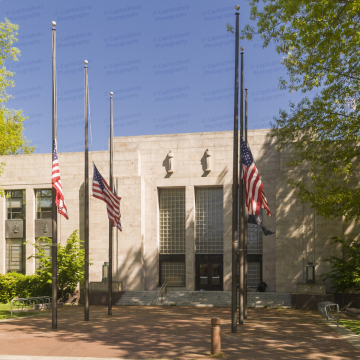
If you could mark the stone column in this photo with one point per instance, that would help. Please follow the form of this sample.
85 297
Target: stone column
30 231
190 238
2 235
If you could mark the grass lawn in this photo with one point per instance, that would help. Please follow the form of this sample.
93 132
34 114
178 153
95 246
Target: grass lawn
353 325
5 312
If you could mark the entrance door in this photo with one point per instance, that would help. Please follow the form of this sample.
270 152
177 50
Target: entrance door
209 272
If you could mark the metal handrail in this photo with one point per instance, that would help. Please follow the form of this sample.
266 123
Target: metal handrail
160 292
30 302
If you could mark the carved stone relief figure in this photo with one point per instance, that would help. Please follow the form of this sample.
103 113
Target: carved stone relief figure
171 162
208 155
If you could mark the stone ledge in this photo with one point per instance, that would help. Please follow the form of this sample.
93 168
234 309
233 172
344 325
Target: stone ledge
100 297
311 289
355 313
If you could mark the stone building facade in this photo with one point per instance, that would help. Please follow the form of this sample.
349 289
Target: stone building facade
176 213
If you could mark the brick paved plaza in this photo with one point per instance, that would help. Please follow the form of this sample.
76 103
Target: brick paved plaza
174 332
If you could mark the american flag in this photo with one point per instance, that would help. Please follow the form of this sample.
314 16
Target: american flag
254 192
102 191
56 183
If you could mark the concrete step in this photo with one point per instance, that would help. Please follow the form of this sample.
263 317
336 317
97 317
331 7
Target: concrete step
136 298
204 298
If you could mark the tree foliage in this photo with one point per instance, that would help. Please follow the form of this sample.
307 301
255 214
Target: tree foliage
70 262
320 43
12 140
345 271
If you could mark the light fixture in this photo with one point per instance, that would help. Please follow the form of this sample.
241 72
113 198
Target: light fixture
105 272
310 273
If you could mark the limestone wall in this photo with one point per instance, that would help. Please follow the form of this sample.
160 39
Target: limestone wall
140 170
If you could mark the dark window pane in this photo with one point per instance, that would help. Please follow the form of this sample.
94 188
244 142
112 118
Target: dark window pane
173 273
14 255
209 220
46 215
43 203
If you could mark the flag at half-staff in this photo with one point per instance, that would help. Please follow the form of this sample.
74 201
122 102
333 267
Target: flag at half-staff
56 184
102 191
254 188
255 219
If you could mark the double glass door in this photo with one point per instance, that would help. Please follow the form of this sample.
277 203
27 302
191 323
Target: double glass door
209 272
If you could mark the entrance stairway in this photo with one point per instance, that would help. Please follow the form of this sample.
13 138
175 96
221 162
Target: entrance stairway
269 299
137 298
204 298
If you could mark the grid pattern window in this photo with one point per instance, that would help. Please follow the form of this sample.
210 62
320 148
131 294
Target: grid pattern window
254 237
173 273
43 204
253 276
172 221
46 247
15 255
15 204
209 220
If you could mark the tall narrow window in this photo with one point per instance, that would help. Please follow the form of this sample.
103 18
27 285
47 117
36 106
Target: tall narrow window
209 220
254 274
47 249
15 255
15 204
172 221
254 241
15 208
43 204
254 238
172 236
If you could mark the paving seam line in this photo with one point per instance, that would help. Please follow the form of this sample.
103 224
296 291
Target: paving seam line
31 357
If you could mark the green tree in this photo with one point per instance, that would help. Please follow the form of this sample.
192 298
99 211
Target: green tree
345 271
320 43
12 140
70 262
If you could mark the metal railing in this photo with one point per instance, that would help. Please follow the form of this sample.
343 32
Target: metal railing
161 292
325 310
30 304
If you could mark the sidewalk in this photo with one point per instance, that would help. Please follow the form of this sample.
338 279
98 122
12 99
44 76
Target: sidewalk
172 333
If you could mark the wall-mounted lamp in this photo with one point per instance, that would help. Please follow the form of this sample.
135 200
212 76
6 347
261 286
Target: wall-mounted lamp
105 272
310 273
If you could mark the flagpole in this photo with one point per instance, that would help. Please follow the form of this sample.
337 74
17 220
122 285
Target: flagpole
241 200
54 208
117 233
110 224
245 218
235 182
86 308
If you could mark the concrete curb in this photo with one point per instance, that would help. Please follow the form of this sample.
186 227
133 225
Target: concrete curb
347 334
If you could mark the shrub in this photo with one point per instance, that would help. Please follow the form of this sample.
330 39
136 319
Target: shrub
18 285
345 270
70 262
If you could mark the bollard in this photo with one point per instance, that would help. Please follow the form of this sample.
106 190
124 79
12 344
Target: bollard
215 336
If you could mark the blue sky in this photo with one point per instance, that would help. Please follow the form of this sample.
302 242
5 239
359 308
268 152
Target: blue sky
169 64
